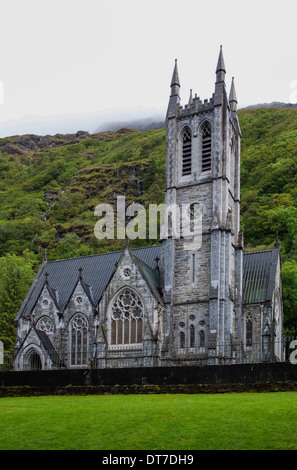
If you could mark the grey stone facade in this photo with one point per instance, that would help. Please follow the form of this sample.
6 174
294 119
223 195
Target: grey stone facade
211 294
191 298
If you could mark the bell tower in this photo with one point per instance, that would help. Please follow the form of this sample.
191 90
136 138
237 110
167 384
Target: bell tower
202 271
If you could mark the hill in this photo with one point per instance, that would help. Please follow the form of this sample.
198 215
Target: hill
50 186
274 104
269 177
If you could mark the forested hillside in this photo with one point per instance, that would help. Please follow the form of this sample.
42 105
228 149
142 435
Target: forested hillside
50 186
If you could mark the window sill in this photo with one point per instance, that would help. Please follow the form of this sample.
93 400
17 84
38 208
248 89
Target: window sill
121 347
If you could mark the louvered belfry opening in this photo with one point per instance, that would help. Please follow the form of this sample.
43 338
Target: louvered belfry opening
187 152
206 147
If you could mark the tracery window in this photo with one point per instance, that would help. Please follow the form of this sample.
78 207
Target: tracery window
187 152
79 340
127 318
45 324
206 147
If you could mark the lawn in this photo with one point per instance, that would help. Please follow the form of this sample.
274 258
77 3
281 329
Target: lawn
150 422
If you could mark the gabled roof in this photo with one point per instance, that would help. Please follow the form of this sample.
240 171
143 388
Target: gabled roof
151 276
54 295
48 346
86 288
45 342
259 271
52 292
97 270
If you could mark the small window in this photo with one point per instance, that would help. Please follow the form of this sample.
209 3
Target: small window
192 336
192 217
182 340
187 152
127 272
249 330
193 268
206 147
202 339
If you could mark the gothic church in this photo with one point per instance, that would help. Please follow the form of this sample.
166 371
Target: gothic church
173 303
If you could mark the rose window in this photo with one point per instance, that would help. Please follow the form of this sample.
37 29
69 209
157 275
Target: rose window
127 272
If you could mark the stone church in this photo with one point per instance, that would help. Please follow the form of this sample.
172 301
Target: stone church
177 302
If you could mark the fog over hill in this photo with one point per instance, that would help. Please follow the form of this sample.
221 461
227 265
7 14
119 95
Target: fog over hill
93 122
140 119
274 104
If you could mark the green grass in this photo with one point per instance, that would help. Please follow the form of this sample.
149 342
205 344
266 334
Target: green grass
150 422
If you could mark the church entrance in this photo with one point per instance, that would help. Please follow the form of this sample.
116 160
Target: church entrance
33 361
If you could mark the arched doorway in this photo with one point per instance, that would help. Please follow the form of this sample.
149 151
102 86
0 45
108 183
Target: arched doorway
32 360
35 361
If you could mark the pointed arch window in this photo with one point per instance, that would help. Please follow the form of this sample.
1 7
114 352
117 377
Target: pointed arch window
206 147
249 329
192 336
127 318
79 340
202 339
187 152
182 340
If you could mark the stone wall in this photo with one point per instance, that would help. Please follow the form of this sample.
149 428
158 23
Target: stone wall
206 379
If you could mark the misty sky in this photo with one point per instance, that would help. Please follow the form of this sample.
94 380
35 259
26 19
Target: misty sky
66 62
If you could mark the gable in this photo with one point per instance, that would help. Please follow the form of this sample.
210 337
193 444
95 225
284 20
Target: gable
39 341
131 271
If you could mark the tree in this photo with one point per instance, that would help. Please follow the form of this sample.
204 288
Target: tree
289 279
16 275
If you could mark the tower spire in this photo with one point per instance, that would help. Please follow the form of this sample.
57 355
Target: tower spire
190 98
175 85
232 97
220 95
221 69
174 99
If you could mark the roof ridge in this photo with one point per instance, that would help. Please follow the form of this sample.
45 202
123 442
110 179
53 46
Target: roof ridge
99 254
260 251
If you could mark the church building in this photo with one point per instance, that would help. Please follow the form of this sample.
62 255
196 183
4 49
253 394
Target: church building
188 300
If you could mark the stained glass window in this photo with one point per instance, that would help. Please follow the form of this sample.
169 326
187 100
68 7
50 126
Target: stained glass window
79 340
126 318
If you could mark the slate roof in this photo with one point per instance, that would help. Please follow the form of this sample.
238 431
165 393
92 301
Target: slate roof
259 271
62 275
